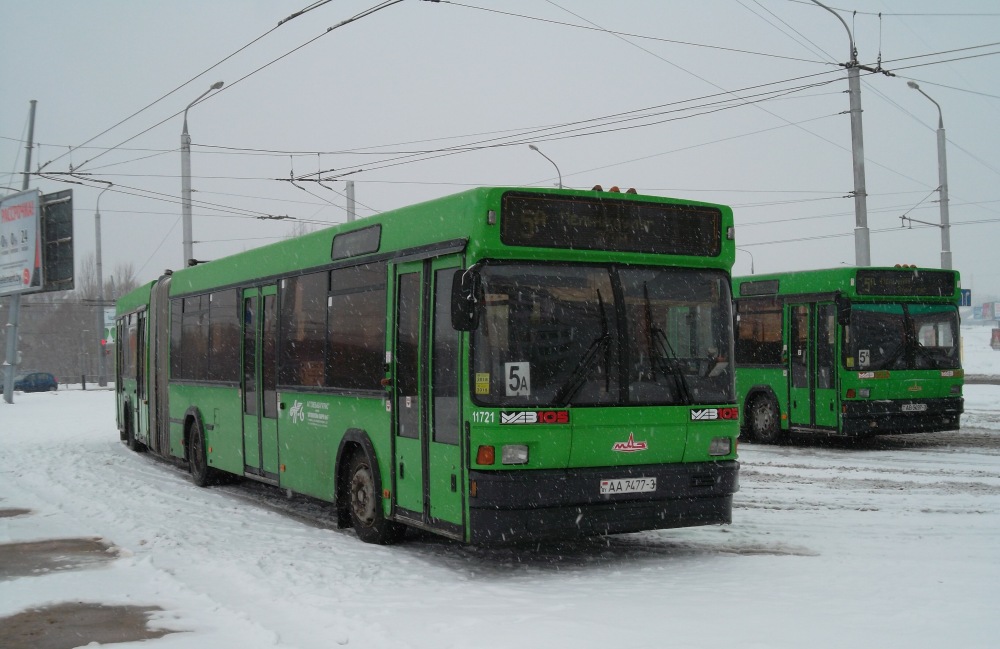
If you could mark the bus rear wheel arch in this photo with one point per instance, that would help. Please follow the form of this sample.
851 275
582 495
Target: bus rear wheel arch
130 441
197 456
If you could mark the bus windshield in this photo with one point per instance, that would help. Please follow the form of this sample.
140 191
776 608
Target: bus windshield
602 335
902 337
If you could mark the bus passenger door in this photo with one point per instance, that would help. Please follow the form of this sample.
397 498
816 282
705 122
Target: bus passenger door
799 367
428 459
826 366
812 391
140 356
259 380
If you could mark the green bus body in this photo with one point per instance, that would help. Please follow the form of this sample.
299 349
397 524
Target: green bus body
852 352
503 364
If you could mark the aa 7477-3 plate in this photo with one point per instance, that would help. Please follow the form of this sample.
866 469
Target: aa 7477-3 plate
627 485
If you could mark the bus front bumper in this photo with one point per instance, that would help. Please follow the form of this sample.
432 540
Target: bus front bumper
528 505
892 417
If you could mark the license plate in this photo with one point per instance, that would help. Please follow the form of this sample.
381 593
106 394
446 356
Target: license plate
914 407
628 485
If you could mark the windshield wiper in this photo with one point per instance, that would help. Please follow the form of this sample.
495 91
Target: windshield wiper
890 359
662 354
934 358
578 376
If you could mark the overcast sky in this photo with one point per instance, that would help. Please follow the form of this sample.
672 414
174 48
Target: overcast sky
740 102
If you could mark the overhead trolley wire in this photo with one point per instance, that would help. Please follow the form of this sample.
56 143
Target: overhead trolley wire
925 14
585 127
363 14
628 34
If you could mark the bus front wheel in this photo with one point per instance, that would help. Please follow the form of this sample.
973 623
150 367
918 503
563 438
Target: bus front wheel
369 522
764 424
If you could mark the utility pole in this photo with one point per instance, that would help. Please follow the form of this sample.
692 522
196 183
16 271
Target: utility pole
352 212
14 317
102 379
862 244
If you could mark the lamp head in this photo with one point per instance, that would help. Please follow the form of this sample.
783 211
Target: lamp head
913 84
216 85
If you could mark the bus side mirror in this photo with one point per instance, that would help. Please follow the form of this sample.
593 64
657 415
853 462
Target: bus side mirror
843 310
465 290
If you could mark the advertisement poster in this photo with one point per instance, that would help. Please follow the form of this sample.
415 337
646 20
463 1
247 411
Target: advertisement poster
20 248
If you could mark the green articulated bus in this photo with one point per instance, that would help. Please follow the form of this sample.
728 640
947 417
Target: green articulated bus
498 365
853 352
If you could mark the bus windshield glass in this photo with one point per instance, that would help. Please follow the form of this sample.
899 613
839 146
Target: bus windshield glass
902 337
594 335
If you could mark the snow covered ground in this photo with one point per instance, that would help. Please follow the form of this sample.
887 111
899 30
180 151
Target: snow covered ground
889 544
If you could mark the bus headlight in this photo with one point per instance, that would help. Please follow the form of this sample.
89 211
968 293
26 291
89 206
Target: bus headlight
720 446
514 454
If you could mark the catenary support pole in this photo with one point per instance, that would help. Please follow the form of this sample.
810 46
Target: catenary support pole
14 317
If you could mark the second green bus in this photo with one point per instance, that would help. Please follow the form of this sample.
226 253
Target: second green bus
849 352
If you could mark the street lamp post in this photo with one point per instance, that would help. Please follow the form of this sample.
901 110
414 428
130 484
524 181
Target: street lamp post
536 150
83 358
751 258
102 379
186 177
942 180
862 242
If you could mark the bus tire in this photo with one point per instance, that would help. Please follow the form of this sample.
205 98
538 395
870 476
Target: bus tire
201 474
130 441
123 429
365 504
765 425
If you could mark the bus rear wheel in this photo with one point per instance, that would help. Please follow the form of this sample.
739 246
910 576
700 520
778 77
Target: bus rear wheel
130 441
367 518
764 424
201 474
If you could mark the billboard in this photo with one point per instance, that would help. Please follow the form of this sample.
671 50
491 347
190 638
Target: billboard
109 326
36 242
57 241
20 244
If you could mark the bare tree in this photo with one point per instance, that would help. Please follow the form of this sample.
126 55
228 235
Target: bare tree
121 281
61 332
298 229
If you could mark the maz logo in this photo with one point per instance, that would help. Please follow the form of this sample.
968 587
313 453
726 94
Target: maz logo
707 414
631 446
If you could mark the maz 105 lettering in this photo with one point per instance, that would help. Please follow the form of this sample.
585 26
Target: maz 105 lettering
709 414
535 417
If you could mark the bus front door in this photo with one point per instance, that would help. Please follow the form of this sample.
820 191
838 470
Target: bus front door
141 421
812 366
259 380
428 460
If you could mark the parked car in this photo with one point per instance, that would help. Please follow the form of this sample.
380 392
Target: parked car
34 382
